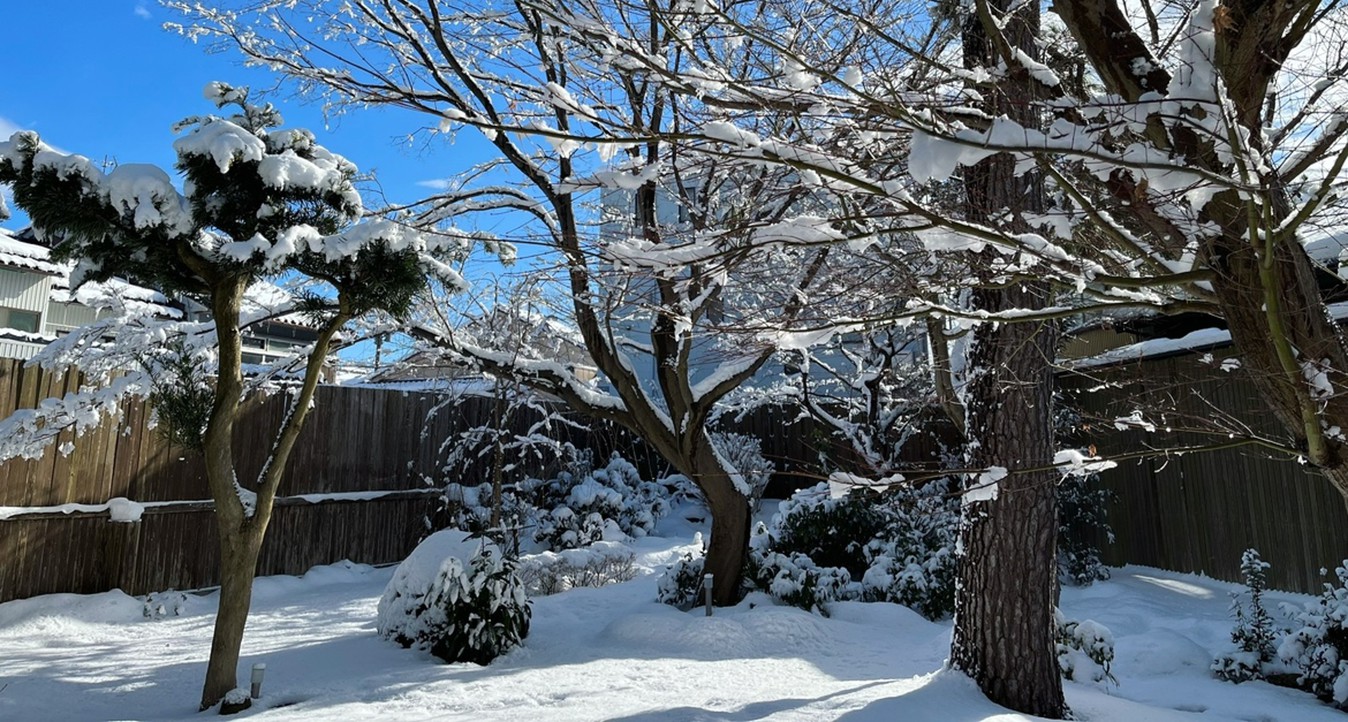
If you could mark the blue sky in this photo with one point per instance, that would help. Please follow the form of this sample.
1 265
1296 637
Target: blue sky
104 80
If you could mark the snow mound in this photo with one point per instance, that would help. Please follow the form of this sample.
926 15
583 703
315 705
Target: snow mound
418 572
53 610
765 631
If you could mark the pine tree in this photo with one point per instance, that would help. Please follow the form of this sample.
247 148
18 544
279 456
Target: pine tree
1254 632
258 202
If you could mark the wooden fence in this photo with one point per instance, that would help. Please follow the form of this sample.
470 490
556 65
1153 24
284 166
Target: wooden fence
360 485
356 486
1198 512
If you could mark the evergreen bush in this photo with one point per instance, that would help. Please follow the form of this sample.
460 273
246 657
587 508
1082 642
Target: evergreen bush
1083 519
1085 649
681 584
895 546
578 507
1254 633
458 598
1319 648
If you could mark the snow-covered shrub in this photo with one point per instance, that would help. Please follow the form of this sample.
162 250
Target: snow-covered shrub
1319 648
832 532
1085 649
581 506
458 598
599 565
159 605
896 546
681 583
796 580
470 508
1083 508
914 562
1254 632
744 454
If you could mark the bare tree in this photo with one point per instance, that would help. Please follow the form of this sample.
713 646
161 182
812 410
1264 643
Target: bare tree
569 117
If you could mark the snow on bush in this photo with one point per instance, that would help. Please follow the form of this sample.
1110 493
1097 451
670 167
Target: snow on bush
609 503
795 579
1319 648
599 565
1254 632
681 584
895 546
1085 649
579 507
1083 518
160 605
456 597
1083 509
744 454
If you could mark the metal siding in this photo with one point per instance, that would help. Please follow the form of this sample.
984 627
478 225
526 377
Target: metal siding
18 349
27 291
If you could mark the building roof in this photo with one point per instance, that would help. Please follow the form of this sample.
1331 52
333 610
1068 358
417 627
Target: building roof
19 251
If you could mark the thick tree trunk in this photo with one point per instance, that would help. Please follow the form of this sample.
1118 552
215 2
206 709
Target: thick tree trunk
1006 595
729 526
1282 310
1005 599
239 550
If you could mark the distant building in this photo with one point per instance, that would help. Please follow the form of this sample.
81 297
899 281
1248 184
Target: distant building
37 306
36 303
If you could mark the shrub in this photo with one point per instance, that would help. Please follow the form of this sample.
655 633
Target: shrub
470 507
832 532
796 580
576 508
1319 649
582 506
896 546
681 583
159 605
1083 509
744 454
1083 647
914 562
456 597
600 565
1254 632
1083 518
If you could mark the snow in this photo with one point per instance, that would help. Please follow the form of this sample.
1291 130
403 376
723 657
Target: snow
613 653
122 509
223 142
985 487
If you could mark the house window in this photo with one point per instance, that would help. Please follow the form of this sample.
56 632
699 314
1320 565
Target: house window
19 320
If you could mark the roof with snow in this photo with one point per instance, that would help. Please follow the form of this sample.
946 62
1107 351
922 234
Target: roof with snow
16 253
19 251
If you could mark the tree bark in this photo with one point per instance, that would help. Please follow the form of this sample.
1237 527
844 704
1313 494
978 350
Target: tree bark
729 525
1005 597
239 550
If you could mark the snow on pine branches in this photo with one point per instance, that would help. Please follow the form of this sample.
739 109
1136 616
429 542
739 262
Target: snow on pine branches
257 201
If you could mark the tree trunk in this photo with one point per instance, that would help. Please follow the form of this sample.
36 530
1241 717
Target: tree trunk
1005 598
729 525
239 548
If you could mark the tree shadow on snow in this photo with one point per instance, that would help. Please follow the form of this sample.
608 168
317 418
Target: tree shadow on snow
755 711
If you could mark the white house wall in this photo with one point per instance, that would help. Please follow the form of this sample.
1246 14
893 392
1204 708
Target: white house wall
67 317
26 291
19 349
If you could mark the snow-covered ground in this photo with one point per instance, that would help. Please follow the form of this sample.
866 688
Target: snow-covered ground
611 654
